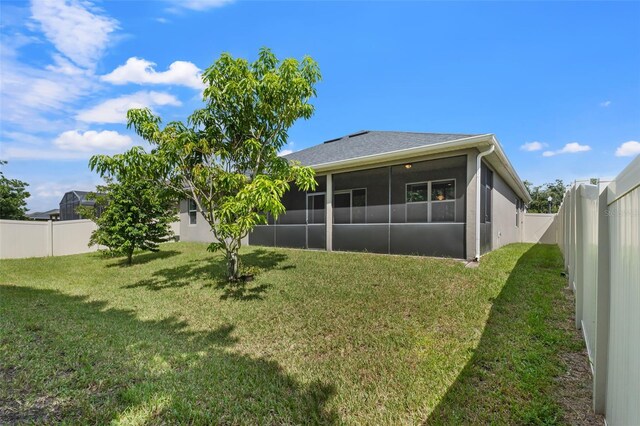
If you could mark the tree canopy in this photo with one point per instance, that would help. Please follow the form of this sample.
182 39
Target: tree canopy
540 196
225 157
13 196
136 211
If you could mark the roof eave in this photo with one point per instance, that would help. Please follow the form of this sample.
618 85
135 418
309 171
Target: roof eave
452 145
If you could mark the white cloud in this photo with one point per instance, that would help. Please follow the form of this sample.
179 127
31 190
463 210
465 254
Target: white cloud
198 5
76 28
91 140
21 138
141 71
115 110
41 96
533 146
285 152
14 153
605 104
32 92
570 148
628 149
162 20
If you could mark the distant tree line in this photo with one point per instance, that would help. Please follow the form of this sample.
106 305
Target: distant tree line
540 196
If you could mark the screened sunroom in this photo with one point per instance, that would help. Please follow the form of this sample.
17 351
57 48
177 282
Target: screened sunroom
433 194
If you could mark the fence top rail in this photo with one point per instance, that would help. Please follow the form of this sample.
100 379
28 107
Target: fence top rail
625 182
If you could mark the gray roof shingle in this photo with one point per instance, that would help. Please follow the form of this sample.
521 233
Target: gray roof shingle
367 142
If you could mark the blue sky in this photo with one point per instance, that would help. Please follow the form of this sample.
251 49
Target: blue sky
558 83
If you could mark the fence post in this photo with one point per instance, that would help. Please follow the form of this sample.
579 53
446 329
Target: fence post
579 259
49 237
601 352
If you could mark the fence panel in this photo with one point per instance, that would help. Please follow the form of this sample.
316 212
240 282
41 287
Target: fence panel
588 198
623 381
598 231
72 237
21 238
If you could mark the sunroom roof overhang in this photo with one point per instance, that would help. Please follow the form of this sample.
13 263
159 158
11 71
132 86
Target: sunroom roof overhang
498 160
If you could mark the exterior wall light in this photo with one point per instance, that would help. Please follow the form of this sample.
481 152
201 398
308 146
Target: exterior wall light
407 166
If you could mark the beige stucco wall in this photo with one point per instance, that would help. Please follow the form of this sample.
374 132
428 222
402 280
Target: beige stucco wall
198 232
539 228
503 223
201 231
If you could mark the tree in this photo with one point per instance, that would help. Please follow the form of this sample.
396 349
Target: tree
13 195
136 211
225 157
540 196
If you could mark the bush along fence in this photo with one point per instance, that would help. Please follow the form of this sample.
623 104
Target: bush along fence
598 231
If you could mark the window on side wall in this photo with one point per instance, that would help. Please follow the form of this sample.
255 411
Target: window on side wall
193 212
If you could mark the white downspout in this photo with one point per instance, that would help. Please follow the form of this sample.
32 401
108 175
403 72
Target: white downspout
478 182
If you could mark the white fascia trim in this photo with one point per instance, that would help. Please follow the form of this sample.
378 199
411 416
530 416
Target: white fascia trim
469 142
402 153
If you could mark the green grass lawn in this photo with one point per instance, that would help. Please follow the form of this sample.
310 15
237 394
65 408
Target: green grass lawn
316 338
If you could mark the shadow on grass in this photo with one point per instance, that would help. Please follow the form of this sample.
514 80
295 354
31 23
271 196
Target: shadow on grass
65 359
511 374
212 272
139 259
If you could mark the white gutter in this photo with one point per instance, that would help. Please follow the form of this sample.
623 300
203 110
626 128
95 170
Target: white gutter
478 182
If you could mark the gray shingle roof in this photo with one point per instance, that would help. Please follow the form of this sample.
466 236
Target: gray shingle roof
366 143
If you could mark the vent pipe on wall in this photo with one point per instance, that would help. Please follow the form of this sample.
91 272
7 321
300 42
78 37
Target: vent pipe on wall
478 184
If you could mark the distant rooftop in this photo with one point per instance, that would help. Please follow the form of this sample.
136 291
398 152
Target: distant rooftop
44 215
368 142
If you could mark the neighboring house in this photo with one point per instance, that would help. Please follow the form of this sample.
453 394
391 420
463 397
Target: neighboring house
53 214
71 201
448 195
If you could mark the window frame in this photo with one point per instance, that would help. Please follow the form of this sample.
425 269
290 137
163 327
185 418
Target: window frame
429 201
324 207
350 192
193 221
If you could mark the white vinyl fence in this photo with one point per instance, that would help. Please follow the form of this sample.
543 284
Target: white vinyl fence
23 238
539 228
598 231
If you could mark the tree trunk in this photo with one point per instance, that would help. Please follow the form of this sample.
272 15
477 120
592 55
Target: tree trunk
130 257
232 265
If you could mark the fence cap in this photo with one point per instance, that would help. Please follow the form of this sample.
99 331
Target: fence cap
625 182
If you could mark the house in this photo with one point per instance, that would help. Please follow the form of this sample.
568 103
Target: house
432 194
53 214
71 201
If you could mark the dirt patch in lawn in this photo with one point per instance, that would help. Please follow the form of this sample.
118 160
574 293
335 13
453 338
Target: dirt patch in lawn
575 386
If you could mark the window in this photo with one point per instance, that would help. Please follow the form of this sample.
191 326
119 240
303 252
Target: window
350 206
417 192
433 201
193 212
